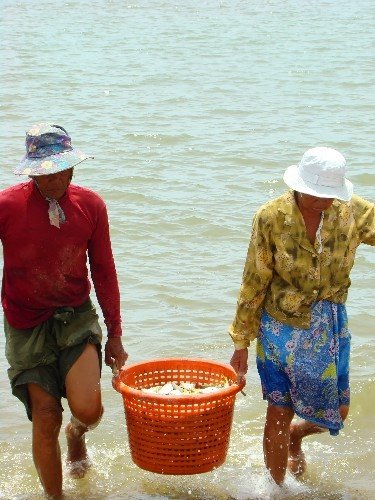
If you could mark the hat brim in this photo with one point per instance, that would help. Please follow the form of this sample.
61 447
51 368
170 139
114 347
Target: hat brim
50 164
293 179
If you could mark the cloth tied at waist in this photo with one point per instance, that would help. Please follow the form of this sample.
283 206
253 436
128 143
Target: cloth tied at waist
64 314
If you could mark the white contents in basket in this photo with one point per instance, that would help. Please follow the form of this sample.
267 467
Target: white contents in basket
186 388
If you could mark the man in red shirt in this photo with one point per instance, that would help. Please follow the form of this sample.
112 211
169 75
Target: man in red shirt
49 228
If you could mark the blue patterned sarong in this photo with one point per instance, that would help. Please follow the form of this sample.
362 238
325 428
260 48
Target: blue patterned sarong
307 369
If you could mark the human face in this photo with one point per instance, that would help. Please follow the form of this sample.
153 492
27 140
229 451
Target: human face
54 185
311 203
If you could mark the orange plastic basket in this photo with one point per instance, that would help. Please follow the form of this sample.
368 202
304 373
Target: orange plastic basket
177 434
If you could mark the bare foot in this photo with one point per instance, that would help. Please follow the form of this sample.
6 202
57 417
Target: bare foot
296 461
77 459
297 464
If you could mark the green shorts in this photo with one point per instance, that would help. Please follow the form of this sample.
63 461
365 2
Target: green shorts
44 354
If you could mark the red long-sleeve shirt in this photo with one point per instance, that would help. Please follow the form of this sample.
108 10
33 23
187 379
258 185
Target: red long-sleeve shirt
45 267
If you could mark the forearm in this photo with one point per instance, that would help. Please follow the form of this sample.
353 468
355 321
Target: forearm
256 278
106 286
112 315
245 326
104 276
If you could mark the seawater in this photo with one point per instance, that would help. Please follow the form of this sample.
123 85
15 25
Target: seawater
193 110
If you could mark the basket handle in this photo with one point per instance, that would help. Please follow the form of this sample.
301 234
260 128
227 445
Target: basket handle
241 386
116 380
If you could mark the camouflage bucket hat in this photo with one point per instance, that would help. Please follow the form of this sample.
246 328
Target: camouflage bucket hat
48 151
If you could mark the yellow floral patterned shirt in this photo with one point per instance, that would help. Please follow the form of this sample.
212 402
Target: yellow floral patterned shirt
284 273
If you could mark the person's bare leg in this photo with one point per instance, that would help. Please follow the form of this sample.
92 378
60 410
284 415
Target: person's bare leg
276 441
84 398
77 459
298 431
47 419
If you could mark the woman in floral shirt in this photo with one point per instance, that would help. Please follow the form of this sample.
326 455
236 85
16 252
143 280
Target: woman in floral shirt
292 299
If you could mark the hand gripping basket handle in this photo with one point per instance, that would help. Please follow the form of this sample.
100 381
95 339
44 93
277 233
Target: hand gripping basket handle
117 383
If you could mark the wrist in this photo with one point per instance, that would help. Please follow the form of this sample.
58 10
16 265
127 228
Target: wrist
238 346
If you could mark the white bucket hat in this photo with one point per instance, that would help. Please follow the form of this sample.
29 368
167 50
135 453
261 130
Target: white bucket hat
320 173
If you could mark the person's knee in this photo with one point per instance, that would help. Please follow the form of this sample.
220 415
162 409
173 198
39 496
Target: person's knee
88 416
46 410
47 417
279 416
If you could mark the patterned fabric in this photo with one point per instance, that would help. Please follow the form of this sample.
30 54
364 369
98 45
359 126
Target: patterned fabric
307 369
55 213
44 140
284 273
48 151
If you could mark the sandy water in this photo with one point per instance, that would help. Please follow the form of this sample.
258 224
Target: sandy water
193 110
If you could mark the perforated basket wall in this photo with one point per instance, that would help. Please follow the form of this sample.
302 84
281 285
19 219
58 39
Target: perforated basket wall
183 434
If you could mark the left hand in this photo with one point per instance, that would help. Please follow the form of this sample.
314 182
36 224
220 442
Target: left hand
115 353
239 363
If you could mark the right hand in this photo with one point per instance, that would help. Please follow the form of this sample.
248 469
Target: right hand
239 364
115 355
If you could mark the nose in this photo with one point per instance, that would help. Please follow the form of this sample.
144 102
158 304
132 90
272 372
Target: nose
56 180
326 202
